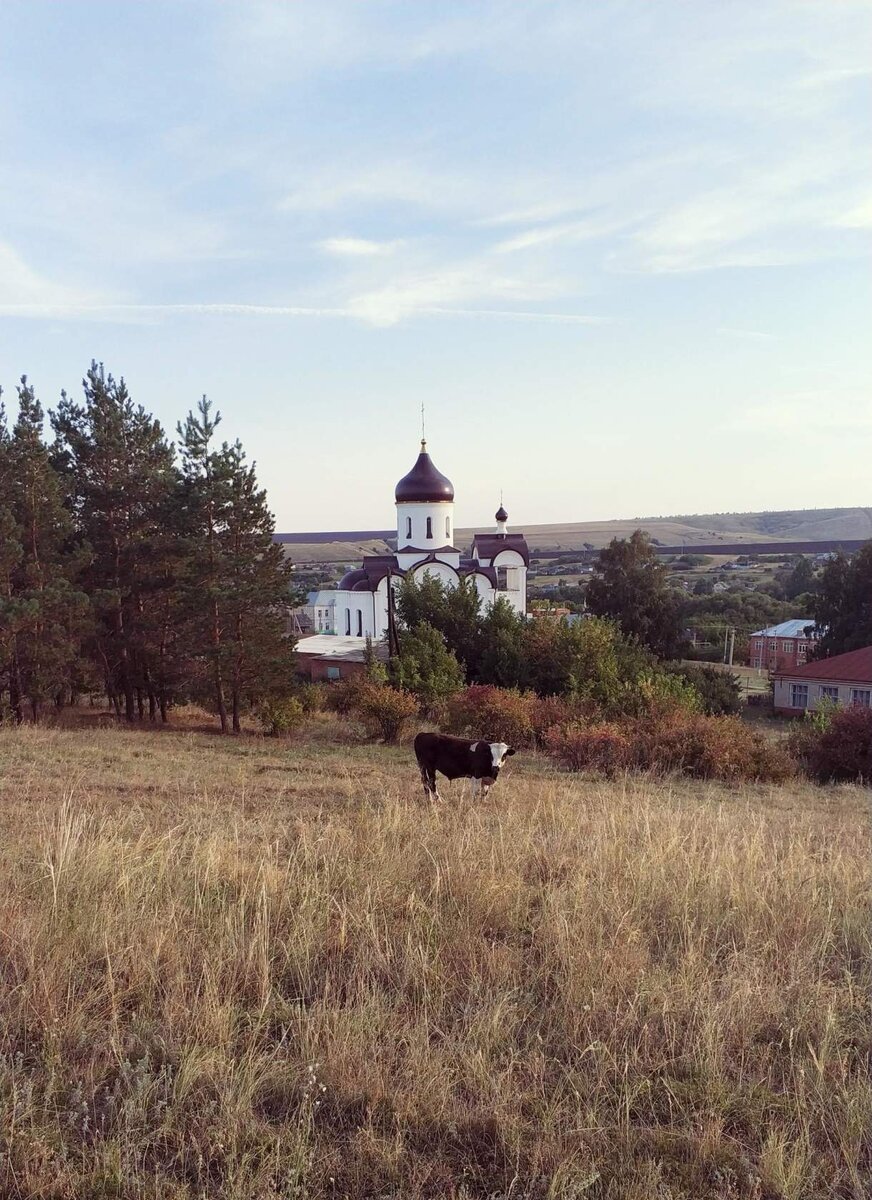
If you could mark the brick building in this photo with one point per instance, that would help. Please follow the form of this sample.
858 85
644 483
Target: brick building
783 646
843 679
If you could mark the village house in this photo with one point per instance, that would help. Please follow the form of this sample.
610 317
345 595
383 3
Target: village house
782 646
843 679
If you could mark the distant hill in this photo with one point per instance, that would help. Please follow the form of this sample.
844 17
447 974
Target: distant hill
798 525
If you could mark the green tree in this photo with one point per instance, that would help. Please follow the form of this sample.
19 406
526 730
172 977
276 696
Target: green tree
425 666
237 582
843 606
502 656
454 611
801 579
119 473
44 611
630 586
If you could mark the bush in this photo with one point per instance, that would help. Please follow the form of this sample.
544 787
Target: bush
426 667
312 696
342 697
604 747
719 691
280 715
835 746
498 714
687 743
385 711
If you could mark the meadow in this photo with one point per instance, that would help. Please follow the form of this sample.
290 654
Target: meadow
255 968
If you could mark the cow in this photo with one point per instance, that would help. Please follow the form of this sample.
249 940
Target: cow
459 758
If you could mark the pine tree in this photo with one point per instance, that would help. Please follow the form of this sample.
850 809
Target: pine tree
238 580
46 611
120 471
10 560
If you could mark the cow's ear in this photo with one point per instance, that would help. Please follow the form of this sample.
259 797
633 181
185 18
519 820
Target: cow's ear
511 750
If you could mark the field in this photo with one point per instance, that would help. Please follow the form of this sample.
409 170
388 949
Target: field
256 969
814 524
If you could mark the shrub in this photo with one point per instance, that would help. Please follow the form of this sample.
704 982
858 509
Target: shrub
836 746
385 711
719 691
550 711
312 696
604 747
498 714
280 715
426 667
688 743
342 697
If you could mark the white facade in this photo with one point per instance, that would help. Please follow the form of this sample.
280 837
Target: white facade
803 694
425 533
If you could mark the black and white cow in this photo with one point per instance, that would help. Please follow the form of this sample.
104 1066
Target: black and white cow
458 758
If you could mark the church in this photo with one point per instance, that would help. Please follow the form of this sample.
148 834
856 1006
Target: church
497 564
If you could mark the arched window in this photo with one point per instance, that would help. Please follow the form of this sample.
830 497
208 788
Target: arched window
348 622
429 527
360 622
448 528
408 527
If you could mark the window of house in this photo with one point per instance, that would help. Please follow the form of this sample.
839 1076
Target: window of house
862 697
348 622
360 623
787 647
333 674
429 527
408 527
758 645
755 662
829 693
799 695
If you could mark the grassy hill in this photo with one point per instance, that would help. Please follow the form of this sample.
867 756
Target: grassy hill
246 968
800 525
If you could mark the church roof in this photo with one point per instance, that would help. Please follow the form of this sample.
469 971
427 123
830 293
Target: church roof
424 484
489 545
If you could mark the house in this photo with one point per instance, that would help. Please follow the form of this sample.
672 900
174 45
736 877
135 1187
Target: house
496 565
782 646
326 657
843 679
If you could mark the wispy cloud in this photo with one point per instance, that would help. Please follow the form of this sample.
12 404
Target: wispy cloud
357 247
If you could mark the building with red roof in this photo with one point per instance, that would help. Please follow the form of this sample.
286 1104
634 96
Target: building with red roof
843 679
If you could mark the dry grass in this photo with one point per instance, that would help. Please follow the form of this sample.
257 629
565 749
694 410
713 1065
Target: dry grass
247 969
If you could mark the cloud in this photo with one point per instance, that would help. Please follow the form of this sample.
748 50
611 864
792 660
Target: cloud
355 247
21 285
374 314
753 335
858 217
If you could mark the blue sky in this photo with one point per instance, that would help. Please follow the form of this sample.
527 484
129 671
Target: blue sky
619 250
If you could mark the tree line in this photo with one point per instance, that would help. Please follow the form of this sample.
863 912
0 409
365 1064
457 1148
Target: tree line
134 566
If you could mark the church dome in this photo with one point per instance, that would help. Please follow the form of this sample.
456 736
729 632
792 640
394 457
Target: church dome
501 514
424 484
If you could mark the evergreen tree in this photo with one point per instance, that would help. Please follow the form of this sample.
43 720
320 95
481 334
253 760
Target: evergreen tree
630 586
49 611
238 579
120 472
843 605
10 561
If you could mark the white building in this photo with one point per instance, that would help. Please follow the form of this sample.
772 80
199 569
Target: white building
497 564
843 679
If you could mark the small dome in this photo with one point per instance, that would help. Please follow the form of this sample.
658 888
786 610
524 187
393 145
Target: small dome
424 484
501 514
351 580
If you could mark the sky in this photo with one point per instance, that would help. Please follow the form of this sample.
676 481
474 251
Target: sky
620 251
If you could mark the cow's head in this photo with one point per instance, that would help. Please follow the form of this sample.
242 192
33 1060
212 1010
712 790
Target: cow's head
499 752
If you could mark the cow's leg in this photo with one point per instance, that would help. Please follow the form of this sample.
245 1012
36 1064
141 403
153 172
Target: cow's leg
476 784
428 777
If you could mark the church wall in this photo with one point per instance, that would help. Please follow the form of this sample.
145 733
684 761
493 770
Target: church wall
417 514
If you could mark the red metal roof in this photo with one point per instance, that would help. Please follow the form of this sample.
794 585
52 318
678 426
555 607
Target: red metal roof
853 667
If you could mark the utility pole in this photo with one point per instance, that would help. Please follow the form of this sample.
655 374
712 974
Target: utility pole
732 644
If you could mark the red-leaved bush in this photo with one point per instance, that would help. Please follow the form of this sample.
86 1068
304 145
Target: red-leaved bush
497 714
837 747
687 743
604 748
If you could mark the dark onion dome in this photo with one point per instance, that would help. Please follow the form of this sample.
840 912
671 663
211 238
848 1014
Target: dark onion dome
424 484
501 514
351 581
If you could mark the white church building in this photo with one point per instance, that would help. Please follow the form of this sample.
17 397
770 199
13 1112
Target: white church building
497 564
